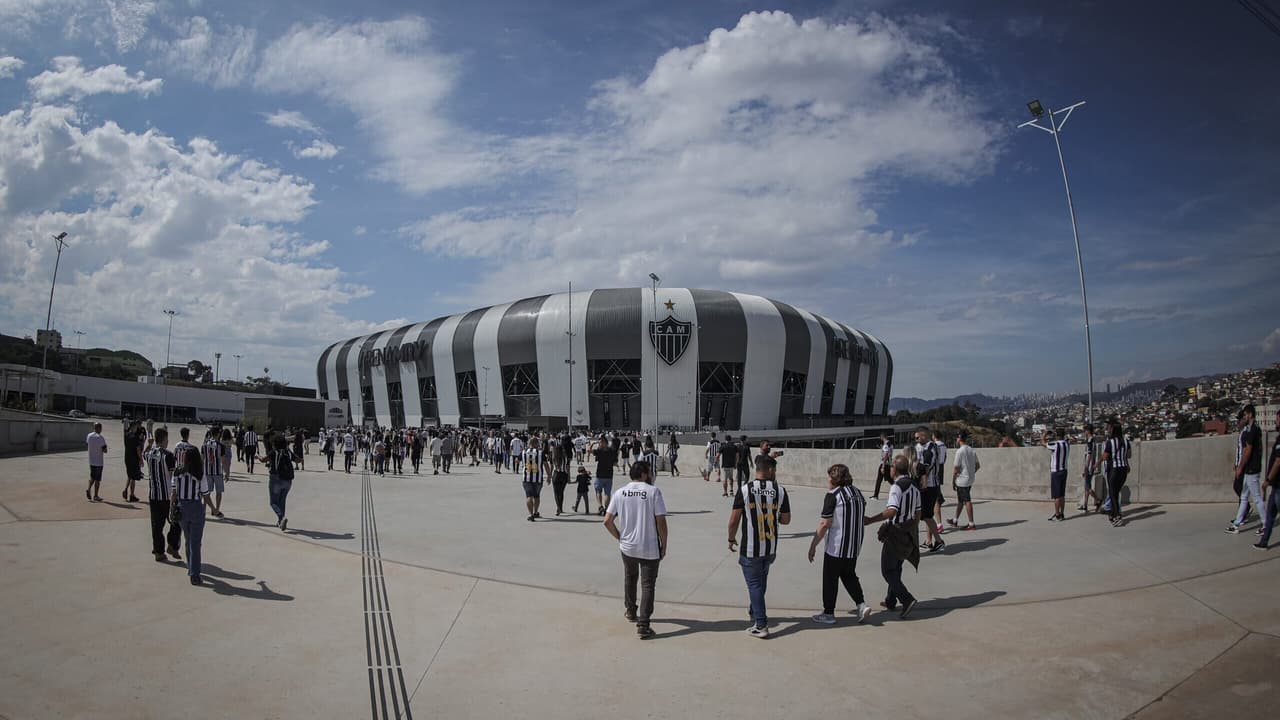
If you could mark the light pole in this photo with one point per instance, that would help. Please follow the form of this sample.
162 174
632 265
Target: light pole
570 362
1039 111
60 240
657 416
76 390
485 399
217 364
237 357
168 345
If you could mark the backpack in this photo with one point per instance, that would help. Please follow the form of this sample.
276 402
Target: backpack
284 465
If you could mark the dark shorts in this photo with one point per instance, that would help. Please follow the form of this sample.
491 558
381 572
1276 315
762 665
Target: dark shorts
95 473
1058 485
532 489
1088 481
962 495
928 497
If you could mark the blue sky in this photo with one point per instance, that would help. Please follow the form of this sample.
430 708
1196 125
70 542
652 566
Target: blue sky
289 174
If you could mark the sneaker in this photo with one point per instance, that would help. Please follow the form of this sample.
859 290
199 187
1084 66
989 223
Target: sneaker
1084 508
173 553
906 609
644 632
1258 531
824 619
197 580
530 518
939 545
970 526
760 632
1260 545
863 612
887 606
630 615
952 523
1232 529
284 524
159 557
1054 518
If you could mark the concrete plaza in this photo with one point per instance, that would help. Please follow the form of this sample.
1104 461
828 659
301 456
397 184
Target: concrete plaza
433 594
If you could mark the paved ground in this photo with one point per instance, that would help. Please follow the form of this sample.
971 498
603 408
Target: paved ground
433 593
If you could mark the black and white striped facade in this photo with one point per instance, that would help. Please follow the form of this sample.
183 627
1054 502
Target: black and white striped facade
723 359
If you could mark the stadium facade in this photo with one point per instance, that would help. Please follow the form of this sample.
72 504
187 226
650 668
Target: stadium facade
716 359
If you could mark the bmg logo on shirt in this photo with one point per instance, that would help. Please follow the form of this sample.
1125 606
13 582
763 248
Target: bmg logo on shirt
635 493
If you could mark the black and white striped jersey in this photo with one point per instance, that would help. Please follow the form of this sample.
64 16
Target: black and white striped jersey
212 455
160 464
1118 450
188 486
1058 450
761 502
180 451
532 464
651 456
845 507
713 450
250 441
905 498
1091 447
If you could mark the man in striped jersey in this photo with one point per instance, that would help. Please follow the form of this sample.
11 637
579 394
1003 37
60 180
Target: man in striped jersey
759 507
1092 457
535 466
160 465
650 456
642 539
1058 449
930 478
184 446
711 455
840 526
902 513
249 445
212 454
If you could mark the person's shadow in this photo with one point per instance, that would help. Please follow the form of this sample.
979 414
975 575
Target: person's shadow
955 548
216 579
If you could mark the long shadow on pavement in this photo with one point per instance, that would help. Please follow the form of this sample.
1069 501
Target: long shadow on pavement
261 593
313 534
992 526
955 548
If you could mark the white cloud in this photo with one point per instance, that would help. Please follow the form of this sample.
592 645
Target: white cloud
1182 263
360 231
293 120
69 79
157 223
318 150
222 58
119 23
389 77
758 151
129 19
9 65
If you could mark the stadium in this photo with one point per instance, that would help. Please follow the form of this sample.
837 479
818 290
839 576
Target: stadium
625 358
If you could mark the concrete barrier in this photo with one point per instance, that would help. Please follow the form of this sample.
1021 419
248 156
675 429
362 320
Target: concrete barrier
18 433
1164 471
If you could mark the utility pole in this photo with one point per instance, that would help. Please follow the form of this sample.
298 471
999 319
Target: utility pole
238 378
60 240
657 416
570 361
217 365
167 347
1039 111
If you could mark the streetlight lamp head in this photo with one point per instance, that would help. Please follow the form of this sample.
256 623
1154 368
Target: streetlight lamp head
654 278
60 236
1037 110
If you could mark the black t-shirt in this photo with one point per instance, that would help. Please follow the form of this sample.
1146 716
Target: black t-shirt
1252 437
606 458
1271 461
728 455
584 481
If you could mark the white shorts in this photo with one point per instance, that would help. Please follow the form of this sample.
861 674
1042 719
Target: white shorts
711 467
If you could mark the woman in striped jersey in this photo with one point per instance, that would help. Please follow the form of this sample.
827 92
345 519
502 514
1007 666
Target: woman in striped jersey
1115 457
840 529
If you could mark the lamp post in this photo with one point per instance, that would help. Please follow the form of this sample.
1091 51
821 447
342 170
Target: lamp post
168 345
1039 112
570 362
60 240
657 416
217 364
76 390
485 399
237 357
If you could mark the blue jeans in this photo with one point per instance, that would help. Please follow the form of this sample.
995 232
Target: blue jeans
192 524
278 490
756 572
1250 491
891 569
1273 509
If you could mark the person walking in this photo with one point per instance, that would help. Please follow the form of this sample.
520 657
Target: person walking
188 495
928 472
1115 458
963 475
637 519
728 464
1092 458
650 456
760 506
446 453
673 454
134 441
228 453
249 444
328 443
160 466
1273 499
1058 449
97 456
279 479
534 463
710 458
434 446
211 455
606 457
840 531
348 450
584 491
940 470
883 471
898 536
415 451
1248 467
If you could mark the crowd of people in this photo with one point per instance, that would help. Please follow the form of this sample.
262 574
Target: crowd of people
189 480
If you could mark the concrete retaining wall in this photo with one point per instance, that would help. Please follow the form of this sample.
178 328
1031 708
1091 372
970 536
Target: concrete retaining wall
18 433
1165 471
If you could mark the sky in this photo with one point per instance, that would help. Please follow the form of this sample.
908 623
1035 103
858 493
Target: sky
288 174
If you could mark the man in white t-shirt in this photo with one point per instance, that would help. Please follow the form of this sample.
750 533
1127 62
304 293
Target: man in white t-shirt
965 470
639 510
348 451
97 451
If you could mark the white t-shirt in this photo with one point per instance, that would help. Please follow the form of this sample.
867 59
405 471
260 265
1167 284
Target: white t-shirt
967 464
636 505
97 448
348 443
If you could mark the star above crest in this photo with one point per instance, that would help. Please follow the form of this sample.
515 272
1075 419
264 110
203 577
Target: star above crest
670 305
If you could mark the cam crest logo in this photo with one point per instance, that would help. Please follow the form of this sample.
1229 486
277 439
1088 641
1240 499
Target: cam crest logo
670 338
